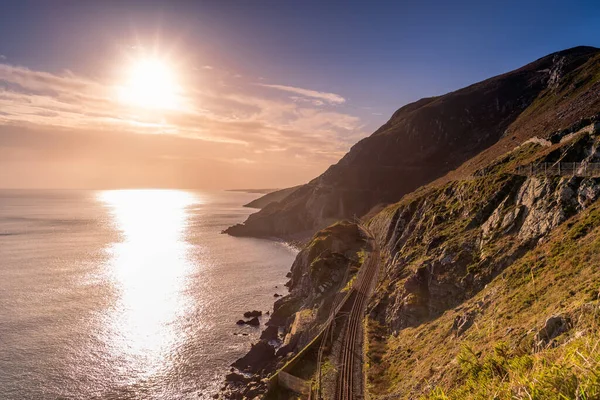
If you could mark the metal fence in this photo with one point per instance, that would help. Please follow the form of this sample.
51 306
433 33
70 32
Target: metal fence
560 169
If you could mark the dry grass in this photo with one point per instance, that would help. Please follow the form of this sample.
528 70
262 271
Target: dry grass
495 358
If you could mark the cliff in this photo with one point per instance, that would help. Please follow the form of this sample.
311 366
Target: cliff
425 140
490 282
490 286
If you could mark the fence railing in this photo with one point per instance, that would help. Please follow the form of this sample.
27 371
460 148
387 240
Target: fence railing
560 169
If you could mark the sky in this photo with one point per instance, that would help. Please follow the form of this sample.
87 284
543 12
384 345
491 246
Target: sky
240 94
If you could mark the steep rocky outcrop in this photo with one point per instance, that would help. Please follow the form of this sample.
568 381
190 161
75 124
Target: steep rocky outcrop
320 271
462 256
490 285
424 140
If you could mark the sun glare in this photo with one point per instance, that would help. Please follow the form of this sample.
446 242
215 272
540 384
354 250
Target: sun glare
151 83
149 266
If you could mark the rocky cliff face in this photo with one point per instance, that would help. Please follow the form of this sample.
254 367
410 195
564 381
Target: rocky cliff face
323 268
491 285
497 246
445 244
426 139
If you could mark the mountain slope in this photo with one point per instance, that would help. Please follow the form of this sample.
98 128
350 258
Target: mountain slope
271 197
425 140
491 283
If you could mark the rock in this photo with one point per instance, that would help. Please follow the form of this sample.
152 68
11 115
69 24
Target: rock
588 192
215 396
241 322
259 356
270 333
236 378
276 295
546 205
463 322
253 322
252 392
283 351
554 326
251 314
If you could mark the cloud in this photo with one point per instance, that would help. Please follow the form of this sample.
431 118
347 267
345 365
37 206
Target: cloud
270 141
2 57
331 98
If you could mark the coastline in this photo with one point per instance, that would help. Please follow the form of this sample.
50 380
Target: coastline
322 269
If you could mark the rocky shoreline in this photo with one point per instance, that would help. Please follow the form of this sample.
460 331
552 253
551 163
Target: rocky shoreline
320 270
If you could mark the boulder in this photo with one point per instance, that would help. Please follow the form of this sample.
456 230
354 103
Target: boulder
236 378
253 392
241 322
555 326
270 333
258 357
284 350
253 322
252 314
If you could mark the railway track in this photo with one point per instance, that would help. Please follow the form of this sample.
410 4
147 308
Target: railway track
348 371
355 300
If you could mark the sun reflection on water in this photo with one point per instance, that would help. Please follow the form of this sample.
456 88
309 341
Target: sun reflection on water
148 267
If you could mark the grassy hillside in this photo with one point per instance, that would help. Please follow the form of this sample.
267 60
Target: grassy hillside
491 286
504 352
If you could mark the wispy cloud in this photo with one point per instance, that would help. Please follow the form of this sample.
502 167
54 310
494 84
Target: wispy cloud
234 120
331 98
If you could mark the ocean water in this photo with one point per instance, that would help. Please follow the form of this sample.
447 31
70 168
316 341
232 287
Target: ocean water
127 294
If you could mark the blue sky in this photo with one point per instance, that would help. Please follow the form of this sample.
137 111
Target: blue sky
376 55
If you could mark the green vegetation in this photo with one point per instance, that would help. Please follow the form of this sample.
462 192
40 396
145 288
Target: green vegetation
497 357
569 372
349 284
488 344
572 85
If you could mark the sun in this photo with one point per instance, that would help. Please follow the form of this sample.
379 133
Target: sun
150 82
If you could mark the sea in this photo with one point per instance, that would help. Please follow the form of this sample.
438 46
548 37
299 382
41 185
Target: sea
128 294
